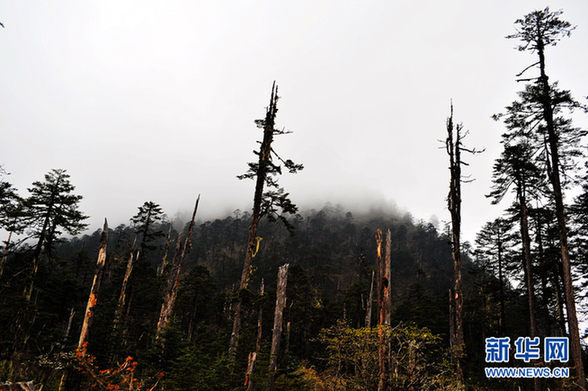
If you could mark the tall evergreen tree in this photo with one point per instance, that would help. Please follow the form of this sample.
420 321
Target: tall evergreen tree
579 222
51 210
493 244
145 224
10 206
536 31
11 214
274 203
515 170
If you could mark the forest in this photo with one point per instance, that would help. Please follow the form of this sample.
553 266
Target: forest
277 298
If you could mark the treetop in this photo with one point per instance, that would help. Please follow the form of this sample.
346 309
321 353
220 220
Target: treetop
541 28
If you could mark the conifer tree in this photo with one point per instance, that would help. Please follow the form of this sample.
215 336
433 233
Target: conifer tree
515 170
579 226
145 221
542 112
273 203
11 214
51 210
493 244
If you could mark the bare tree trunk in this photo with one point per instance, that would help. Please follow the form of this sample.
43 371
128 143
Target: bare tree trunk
123 289
95 290
92 301
454 146
383 312
250 367
388 278
278 320
174 276
252 356
264 161
72 313
161 269
259 320
368 315
451 319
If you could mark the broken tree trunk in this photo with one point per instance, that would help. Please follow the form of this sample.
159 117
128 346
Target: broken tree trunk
253 355
278 320
174 277
123 289
164 263
388 279
454 147
383 267
261 174
368 315
250 367
174 273
95 290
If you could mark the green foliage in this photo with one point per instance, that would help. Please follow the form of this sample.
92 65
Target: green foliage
541 25
146 223
11 205
416 357
197 369
274 202
52 209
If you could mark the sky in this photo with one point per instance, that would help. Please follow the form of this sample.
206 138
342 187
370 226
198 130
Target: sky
156 101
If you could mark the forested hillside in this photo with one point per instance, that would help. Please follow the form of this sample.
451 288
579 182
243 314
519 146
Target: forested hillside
331 256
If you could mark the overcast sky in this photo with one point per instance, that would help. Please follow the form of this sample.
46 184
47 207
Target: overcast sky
155 101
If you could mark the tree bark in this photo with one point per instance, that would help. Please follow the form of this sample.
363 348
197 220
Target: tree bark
123 289
264 161
163 267
278 320
368 315
388 278
250 367
547 103
383 312
528 267
95 290
174 274
174 277
253 356
454 146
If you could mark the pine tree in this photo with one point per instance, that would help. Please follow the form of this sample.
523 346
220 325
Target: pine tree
51 210
274 203
493 244
515 170
145 224
536 31
11 214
